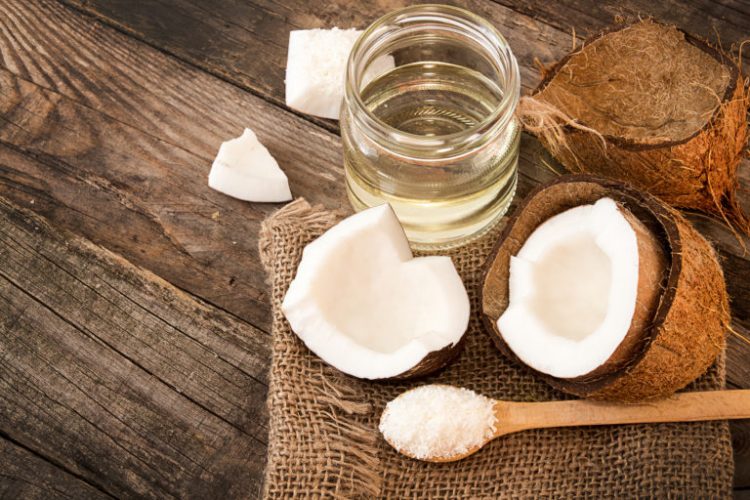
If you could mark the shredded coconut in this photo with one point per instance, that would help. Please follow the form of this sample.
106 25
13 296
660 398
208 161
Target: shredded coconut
438 421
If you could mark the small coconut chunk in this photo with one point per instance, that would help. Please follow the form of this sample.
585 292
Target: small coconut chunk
438 421
316 69
573 288
366 306
245 169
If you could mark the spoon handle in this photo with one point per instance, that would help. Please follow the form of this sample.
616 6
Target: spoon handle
682 407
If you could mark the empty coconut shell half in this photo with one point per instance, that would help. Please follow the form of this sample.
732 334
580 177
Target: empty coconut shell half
605 291
653 106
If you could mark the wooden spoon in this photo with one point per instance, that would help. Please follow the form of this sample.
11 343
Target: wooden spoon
684 407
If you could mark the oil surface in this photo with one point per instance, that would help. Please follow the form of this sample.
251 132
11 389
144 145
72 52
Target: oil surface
432 99
445 203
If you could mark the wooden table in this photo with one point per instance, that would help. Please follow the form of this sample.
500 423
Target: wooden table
134 316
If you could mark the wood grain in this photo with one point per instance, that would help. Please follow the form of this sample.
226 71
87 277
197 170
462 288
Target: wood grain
120 378
252 49
28 476
723 22
513 416
125 134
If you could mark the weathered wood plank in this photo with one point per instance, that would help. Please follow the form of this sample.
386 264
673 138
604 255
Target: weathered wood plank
251 48
119 377
245 42
26 475
738 347
172 338
724 21
125 134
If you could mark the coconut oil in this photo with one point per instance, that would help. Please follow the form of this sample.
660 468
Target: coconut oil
435 203
434 135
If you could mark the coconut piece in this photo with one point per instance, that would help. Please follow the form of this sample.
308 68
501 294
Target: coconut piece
670 111
575 290
316 69
245 169
367 307
681 326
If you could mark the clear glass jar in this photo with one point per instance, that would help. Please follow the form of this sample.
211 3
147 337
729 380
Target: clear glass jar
428 122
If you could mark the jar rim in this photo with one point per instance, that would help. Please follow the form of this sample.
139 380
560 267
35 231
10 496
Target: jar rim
435 146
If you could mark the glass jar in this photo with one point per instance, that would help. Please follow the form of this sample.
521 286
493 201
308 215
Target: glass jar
428 122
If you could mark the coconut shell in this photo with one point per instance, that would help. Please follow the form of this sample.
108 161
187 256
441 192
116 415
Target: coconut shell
668 109
432 363
684 324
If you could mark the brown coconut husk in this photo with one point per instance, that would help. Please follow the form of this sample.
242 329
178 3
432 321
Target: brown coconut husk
677 340
653 106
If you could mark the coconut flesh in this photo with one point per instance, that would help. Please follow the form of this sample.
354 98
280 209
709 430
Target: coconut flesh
316 69
244 169
366 306
573 290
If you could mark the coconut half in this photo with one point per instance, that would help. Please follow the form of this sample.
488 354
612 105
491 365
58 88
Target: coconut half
605 292
671 111
574 285
366 306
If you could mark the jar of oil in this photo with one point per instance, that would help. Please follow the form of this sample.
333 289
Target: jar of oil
428 123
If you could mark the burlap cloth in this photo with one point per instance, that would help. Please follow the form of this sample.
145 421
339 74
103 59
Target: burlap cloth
324 442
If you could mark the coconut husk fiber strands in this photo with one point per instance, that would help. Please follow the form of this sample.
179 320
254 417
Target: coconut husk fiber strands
324 441
650 105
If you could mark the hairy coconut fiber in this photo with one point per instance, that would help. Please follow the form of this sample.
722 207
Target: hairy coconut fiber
323 438
653 106
685 330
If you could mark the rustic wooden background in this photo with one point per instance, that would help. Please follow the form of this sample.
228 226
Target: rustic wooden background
134 317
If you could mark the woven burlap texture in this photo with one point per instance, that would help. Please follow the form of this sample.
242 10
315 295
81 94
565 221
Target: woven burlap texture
324 442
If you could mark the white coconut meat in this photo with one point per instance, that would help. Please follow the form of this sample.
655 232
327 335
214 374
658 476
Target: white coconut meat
245 169
316 69
572 290
366 306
